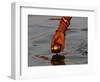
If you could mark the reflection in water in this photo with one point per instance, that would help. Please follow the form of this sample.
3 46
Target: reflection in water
58 60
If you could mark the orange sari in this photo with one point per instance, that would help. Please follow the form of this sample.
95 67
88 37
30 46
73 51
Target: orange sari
58 40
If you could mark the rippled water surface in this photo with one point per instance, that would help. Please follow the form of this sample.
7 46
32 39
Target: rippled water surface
40 31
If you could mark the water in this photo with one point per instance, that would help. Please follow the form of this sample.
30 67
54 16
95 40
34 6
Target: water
40 32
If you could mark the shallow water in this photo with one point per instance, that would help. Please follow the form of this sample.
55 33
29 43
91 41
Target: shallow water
40 31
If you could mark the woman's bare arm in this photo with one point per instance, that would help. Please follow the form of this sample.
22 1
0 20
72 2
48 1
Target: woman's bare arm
58 40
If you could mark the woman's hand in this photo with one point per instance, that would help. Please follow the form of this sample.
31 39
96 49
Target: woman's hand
58 42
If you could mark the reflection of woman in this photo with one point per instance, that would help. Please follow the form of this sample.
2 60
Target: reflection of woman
58 40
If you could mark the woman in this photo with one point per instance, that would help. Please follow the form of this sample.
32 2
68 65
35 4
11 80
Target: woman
58 40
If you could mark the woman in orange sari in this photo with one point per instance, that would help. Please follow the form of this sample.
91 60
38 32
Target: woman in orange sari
58 40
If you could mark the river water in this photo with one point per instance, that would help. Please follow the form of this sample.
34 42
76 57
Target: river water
40 32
